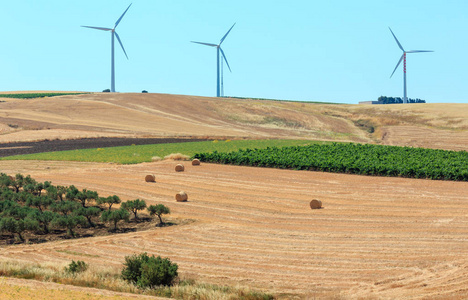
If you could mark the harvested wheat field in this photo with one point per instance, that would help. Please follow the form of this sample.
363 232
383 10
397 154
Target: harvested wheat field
374 238
96 115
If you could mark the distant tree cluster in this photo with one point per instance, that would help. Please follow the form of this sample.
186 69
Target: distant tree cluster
394 100
37 207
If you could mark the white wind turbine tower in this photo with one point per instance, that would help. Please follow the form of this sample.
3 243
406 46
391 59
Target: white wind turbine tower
403 57
113 33
218 62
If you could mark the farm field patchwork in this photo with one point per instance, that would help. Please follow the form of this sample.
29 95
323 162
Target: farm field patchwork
364 159
376 237
145 153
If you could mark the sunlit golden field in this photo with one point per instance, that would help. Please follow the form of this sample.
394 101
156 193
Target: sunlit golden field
375 238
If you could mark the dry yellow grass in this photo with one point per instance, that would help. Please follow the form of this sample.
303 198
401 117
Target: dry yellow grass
22 289
50 280
177 156
160 115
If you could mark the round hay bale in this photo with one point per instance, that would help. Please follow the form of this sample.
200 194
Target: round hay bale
150 178
179 168
196 162
315 204
181 197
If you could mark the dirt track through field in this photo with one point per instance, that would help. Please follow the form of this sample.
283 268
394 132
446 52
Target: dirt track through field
383 237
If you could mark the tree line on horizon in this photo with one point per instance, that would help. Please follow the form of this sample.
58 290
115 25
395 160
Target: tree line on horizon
395 100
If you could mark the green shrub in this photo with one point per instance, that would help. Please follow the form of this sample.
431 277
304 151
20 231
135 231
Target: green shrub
76 267
149 271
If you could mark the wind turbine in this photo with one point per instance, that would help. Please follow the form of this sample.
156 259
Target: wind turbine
403 58
113 33
218 50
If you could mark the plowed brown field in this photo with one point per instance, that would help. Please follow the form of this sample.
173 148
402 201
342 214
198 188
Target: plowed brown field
389 238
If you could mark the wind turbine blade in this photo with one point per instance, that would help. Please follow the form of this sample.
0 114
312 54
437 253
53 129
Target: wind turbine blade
399 45
120 42
399 62
206 44
98 28
118 21
417 51
222 40
225 59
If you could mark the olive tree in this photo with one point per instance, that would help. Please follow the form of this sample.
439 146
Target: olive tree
89 213
70 222
158 210
109 201
134 206
13 226
115 216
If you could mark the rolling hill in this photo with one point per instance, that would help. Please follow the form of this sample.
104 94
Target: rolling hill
442 126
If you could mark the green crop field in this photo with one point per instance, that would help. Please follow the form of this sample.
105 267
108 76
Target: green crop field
352 158
144 153
36 95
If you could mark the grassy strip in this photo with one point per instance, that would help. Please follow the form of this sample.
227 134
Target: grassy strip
364 159
36 95
109 279
145 153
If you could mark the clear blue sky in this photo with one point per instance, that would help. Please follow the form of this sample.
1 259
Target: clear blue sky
338 51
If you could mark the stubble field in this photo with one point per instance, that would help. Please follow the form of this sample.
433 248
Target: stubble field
375 237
